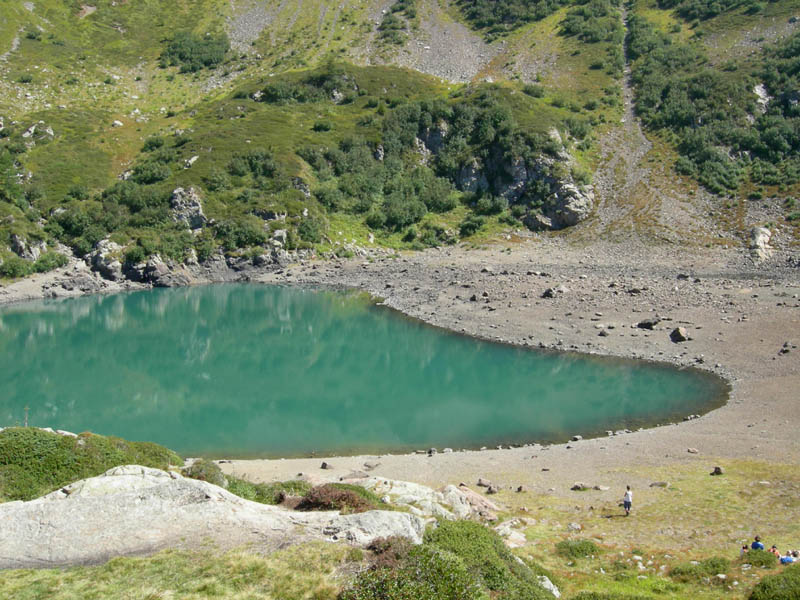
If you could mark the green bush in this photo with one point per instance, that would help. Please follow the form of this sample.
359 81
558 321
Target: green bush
345 498
607 596
577 548
487 557
470 225
193 52
783 586
205 470
761 558
49 261
150 172
14 267
267 493
34 462
153 143
322 126
427 572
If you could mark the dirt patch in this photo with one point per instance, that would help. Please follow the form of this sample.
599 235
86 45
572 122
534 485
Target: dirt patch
86 10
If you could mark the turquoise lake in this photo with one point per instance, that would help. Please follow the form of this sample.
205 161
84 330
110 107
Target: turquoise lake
251 370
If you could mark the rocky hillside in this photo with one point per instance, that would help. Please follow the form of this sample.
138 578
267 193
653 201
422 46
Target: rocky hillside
140 134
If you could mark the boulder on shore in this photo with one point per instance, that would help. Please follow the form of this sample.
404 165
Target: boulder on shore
135 510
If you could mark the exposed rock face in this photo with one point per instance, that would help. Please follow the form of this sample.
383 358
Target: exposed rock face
759 243
28 251
450 503
105 259
471 178
187 208
137 510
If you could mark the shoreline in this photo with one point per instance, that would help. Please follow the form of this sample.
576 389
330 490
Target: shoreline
738 315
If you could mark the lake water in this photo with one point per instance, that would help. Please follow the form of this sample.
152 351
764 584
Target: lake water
252 370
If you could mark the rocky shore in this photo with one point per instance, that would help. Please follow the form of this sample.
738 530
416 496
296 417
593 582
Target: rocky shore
716 309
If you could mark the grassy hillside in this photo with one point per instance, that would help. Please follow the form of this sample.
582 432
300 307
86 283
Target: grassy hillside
84 87
34 462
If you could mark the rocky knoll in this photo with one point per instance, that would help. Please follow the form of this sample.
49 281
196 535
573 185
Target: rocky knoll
138 510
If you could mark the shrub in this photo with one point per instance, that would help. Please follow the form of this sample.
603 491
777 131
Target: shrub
344 498
322 126
49 261
153 143
14 267
135 255
267 493
487 557
693 573
25 78
577 548
389 552
427 573
312 228
783 586
761 558
470 225
193 52
205 470
150 172
34 462
607 596
217 180
533 90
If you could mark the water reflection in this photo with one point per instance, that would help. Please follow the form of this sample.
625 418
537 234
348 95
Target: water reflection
238 369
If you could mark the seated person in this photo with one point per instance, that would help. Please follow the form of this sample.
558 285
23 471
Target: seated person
757 545
774 550
785 560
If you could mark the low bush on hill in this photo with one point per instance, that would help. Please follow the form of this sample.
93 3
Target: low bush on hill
761 558
267 493
577 548
195 52
694 572
34 462
783 586
459 560
339 496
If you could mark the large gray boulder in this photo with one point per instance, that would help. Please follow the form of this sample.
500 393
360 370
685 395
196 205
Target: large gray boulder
187 208
569 205
134 510
760 248
105 259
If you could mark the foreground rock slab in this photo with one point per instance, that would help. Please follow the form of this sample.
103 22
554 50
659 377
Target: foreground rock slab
134 510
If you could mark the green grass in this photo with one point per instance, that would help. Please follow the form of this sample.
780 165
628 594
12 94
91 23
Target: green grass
34 462
307 571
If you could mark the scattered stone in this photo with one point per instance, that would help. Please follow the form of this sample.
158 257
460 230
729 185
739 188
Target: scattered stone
326 465
521 489
659 484
492 489
602 488
574 527
679 334
483 482
648 323
117 124
717 471
576 438
370 466
692 450
545 582
579 487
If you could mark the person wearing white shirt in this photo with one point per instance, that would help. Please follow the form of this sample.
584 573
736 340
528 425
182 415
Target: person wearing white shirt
627 500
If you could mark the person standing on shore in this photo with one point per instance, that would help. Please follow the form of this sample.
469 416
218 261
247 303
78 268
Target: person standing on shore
627 500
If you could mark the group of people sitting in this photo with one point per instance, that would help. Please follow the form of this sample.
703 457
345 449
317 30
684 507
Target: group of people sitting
790 556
